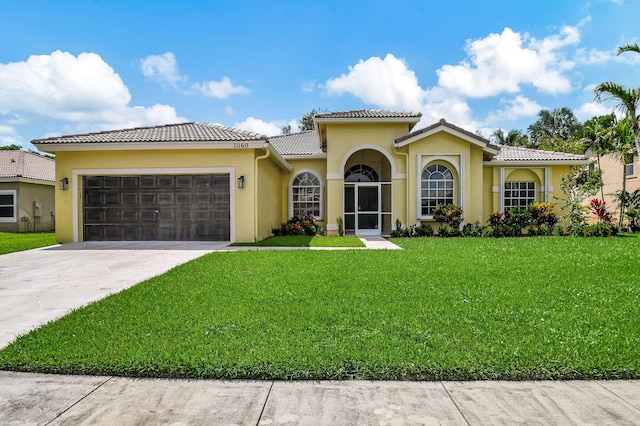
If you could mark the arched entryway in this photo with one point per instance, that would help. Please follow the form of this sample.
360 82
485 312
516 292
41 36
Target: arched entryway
367 194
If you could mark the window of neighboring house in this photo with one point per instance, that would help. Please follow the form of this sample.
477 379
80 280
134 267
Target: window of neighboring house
8 206
306 195
519 194
629 169
437 187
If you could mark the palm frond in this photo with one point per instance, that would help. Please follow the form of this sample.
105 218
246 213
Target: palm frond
629 48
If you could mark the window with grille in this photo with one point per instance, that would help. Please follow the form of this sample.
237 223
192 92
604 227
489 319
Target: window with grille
306 195
519 194
437 187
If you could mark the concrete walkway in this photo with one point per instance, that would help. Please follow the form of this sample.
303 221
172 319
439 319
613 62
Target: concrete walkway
37 286
82 400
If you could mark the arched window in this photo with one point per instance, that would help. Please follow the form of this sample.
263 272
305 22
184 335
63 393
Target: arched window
437 187
361 173
306 195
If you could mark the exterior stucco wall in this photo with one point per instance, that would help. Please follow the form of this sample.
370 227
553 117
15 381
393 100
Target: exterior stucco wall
367 143
27 192
612 177
317 166
268 198
465 162
546 190
75 164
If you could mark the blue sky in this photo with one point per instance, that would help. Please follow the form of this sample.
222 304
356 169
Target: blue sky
88 65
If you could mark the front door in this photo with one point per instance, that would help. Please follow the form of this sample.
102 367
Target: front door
362 208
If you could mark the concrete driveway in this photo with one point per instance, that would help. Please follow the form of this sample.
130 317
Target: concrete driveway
37 286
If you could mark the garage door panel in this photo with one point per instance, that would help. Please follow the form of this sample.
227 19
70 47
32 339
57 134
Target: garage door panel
162 207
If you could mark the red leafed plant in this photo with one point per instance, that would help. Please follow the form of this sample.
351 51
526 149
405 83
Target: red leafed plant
599 208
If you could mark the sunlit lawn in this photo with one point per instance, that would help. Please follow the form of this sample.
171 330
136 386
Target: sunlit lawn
527 308
13 241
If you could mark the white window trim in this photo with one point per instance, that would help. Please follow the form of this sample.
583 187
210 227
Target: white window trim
544 186
633 170
449 159
290 191
535 190
13 219
76 205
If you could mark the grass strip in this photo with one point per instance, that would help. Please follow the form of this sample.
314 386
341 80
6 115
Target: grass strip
18 241
442 309
306 241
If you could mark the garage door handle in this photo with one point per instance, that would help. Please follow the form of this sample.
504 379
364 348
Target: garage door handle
157 212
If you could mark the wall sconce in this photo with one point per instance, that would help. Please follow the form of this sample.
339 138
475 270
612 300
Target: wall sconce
241 182
64 184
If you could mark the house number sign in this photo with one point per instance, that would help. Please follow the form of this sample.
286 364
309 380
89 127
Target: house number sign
241 145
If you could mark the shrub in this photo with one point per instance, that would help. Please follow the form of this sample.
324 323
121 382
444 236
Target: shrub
340 223
472 230
558 231
450 214
298 225
596 230
424 230
510 222
599 209
488 232
542 214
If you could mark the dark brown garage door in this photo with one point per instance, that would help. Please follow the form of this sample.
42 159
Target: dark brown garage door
163 207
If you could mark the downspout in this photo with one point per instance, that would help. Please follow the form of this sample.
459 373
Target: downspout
406 178
255 191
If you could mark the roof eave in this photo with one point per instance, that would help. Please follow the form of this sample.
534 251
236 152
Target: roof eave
536 162
142 146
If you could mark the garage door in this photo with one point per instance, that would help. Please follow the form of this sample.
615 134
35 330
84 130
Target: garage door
162 207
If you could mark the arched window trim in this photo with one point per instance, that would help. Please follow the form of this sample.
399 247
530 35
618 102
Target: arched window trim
320 188
368 170
439 185
456 163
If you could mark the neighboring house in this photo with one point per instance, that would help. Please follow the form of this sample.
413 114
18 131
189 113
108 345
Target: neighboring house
613 174
27 192
196 181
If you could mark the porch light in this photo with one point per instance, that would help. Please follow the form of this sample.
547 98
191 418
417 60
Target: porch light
241 182
64 184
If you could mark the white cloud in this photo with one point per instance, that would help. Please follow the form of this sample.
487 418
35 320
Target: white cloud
501 63
229 110
593 56
164 69
308 86
83 90
219 89
385 82
256 125
8 136
592 109
516 108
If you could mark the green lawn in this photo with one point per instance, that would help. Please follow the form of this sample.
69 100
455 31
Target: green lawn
456 309
306 241
11 241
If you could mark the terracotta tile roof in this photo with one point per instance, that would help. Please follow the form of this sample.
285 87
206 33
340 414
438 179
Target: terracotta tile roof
183 132
516 153
303 143
370 113
16 163
443 122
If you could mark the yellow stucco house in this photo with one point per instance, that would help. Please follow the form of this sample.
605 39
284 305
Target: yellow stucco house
196 181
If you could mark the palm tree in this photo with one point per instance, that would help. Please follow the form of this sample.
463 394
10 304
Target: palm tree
511 138
593 135
621 138
560 123
629 48
628 98
628 101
